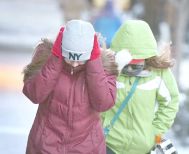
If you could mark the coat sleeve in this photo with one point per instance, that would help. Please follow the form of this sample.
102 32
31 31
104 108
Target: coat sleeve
168 102
38 87
101 86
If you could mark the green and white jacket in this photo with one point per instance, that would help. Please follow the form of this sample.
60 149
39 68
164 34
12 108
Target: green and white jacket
150 111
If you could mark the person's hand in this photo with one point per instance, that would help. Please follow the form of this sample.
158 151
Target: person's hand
108 61
96 49
57 49
122 58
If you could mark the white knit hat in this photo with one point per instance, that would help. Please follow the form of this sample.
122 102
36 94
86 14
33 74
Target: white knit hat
78 40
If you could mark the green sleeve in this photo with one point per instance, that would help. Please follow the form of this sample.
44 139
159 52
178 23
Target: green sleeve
168 102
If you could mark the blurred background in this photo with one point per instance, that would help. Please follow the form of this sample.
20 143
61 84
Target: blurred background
24 22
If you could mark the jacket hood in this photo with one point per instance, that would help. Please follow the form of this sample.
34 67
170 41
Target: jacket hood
137 37
43 50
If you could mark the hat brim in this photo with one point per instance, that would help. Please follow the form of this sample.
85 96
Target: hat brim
136 61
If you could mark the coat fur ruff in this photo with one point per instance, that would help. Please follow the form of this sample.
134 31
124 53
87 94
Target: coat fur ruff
44 50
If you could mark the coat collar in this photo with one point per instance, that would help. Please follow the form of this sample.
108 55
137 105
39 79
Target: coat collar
73 70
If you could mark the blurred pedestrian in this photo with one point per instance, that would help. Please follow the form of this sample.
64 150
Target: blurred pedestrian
68 81
147 95
107 22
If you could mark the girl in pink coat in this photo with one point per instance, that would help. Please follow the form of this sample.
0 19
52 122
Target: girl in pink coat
71 86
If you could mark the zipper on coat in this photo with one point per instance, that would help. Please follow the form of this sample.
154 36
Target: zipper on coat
72 71
70 102
71 93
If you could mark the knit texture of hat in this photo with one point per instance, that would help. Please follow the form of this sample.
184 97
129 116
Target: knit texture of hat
137 37
78 40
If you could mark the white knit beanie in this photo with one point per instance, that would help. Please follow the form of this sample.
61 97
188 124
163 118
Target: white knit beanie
78 40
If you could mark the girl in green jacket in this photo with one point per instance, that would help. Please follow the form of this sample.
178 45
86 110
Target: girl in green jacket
153 106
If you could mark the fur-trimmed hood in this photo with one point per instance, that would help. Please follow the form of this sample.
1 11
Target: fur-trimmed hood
43 50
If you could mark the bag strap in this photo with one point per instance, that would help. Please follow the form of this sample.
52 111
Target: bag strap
123 105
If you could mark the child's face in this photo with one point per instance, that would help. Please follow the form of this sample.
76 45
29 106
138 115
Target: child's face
75 63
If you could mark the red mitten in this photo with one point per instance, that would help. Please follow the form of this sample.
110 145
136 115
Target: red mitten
57 46
96 49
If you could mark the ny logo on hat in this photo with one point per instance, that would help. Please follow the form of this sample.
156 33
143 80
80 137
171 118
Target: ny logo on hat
74 56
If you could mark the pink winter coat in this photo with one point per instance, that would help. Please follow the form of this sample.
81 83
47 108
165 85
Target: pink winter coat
67 119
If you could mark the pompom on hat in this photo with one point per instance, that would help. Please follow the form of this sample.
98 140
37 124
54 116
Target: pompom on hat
78 40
